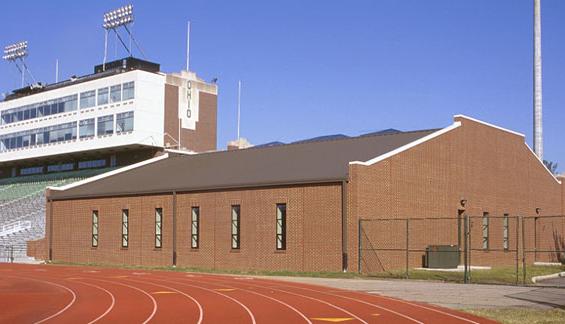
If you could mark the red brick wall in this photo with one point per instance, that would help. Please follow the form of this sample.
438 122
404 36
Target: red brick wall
38 249
203 138
492 169
313 229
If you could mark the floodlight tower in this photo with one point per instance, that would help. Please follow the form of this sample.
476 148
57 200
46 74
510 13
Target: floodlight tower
15 52
113 20
538 126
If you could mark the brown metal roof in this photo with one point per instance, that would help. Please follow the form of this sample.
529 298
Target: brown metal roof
312 162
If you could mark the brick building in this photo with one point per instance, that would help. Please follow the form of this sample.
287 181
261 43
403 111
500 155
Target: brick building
297 206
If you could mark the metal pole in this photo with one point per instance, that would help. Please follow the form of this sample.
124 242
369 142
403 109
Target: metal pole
517 249
188 47
105 50
466 248
56 70
238 108
469 272
538 130
407 246
523 251
535 239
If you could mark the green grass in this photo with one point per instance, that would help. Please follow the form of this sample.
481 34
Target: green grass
498 275
286 273
521 315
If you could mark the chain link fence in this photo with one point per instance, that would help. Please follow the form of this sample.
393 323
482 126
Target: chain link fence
488 249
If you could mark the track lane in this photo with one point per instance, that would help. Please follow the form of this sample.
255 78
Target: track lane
62 310
164 296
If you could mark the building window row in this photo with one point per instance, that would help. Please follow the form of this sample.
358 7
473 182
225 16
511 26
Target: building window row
38 136
107 95
68 131
38 110
280 220
86 99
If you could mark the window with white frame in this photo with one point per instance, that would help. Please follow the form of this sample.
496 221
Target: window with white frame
281 227
94 228
485 230
235 227
195 227
158 227
125 228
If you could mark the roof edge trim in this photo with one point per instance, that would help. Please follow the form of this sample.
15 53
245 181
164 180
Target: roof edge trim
542 164
109 174
490 125
409 145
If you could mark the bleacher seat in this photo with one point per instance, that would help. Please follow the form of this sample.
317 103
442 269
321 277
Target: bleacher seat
23 199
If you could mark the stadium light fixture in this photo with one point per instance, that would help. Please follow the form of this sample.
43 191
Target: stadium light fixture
17 52
119 17
113 20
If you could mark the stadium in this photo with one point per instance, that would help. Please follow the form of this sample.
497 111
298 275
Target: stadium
117 204
121 167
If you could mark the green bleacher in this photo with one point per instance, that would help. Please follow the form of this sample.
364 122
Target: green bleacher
26 186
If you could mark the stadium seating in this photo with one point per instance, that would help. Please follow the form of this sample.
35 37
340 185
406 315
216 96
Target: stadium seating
22 201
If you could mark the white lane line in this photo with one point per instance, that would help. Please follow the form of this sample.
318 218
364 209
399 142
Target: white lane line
359 301
431 309
135 288
249 312
108 293
56 285
200 310
312 298
271 298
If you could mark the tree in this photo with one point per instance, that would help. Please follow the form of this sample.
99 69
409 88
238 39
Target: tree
551 166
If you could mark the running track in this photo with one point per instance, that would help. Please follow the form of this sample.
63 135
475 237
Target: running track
68 294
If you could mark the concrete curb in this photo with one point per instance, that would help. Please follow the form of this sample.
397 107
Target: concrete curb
551 276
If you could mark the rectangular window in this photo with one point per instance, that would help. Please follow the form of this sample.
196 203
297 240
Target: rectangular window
94 228
87 99
116 93
485 231
235 227
158 227
125 228
105 125
195 227
505 233
92 164
124 122
128 91
86 128
281 227
102 96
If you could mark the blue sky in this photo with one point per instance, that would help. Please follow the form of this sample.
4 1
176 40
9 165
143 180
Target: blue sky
312 68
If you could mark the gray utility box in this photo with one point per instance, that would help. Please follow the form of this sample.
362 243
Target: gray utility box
442 256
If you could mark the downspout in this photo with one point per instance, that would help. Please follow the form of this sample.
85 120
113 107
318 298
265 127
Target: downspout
344 236
50 209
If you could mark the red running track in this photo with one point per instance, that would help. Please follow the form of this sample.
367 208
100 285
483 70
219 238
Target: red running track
70 294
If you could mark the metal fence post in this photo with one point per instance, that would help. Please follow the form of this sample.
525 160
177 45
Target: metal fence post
517 239
466 247
523 250
407 246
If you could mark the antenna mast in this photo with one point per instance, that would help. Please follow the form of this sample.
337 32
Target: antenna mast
188 47
238 107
